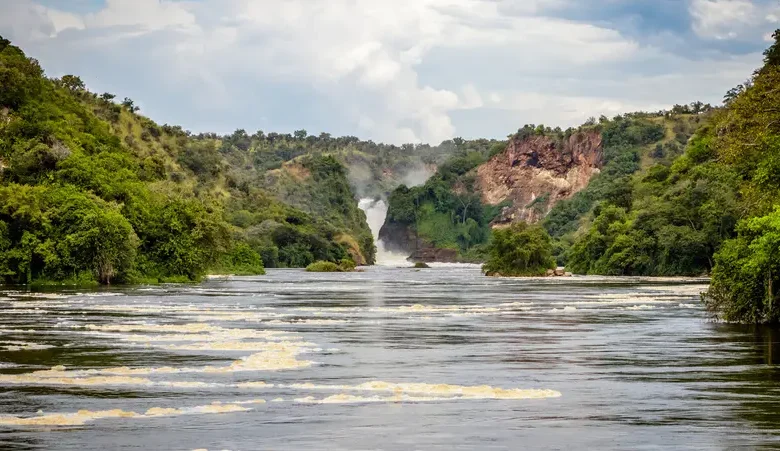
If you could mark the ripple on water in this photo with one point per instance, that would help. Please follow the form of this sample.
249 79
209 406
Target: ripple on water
499 343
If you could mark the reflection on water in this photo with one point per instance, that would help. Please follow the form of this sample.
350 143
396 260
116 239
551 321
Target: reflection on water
385 359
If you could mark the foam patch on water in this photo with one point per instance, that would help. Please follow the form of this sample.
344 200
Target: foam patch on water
85 416
192 328
254 384
65 419
23 346
619 301
344 398
404 311
44 295
51 378
567 309
54 377
642 307
275 356
225 335
451 391
312 322
25 311
275 346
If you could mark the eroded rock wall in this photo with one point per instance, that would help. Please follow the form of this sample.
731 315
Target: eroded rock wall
534 173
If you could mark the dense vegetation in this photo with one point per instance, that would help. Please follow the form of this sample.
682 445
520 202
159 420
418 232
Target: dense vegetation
93 192
446 211
90 191
374 169
519 250
345 265
712 210
744 142
630 142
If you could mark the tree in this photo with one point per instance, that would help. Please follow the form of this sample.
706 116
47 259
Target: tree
72 82
747 273
107 96
519 250
128 103
772 54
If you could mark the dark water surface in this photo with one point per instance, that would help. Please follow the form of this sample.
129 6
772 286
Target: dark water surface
385 359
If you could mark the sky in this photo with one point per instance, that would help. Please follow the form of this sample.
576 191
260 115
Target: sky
395 71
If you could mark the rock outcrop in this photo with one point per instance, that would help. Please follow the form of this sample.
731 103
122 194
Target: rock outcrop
534 173
530 176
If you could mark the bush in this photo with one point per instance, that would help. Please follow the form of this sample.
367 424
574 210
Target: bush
519 250
747 272
241 260
421 265
321 266
347 264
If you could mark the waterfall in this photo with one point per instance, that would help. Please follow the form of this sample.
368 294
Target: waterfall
376 211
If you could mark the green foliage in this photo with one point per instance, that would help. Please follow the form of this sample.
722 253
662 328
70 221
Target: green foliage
519 250
326 195
56 233
242 259
202 158
323 266
714 209
347 265
747 273
677 218
91 187
611 246
440 216
745 138
622 140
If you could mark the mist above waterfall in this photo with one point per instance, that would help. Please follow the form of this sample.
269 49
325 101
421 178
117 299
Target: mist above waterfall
376 212
417 176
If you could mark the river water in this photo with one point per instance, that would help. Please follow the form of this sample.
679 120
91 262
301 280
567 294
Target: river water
389 358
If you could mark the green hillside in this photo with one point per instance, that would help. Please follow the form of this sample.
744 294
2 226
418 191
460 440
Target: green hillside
712 210
94 192
448 212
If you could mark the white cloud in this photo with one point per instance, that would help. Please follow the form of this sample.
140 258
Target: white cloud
376 47
470 97
63 20
146 14
731 19
25 18
392 70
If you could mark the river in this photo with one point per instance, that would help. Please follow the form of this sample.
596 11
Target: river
389 358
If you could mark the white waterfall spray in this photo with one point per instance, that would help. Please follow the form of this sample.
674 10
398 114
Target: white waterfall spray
376 211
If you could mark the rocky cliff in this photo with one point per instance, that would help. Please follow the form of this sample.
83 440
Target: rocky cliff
449 218
536 172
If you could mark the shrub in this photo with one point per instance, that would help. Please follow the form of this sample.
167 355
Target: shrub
241 260
322 266
347 264
519 250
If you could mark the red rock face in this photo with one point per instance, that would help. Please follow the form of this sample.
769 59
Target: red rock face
537 172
